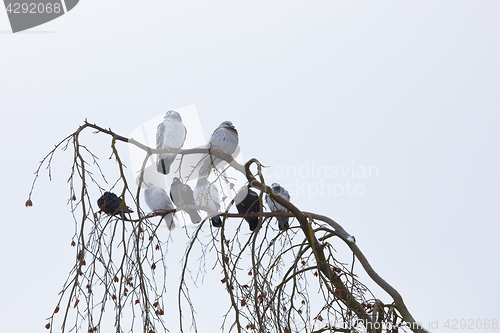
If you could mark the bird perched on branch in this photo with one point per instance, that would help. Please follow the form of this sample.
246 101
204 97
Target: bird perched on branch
158 200
182 195
276 207
249 205
111 204
171 133
206 195
224 139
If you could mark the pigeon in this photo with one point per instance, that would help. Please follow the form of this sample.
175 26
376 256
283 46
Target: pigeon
182 195
111 204
276 207
157 199
171 133
250 204
224 139
206 195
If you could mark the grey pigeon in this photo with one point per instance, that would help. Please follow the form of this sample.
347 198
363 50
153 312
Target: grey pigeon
157 199
276 207
182 195
249 205
206 195
111 204
171 133
225 139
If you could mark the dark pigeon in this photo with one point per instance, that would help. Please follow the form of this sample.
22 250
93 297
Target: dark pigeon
250 205
182 195
110 204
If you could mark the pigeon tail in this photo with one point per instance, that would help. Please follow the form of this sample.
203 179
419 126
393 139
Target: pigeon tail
216 221
121 213
164 162
283 223
169 219
252 222
206 167
193 214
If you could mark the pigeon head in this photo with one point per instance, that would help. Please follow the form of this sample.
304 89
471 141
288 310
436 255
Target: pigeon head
227 124
173 115
176 181
276 187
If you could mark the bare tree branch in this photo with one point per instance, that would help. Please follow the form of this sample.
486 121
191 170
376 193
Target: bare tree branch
117 260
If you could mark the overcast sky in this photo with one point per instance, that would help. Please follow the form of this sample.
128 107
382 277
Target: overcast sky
406 90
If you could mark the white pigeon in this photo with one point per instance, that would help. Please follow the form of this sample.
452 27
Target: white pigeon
157 199
276 207
171 133
225 139
206 195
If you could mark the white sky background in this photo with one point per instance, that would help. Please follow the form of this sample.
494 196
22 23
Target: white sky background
411 88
